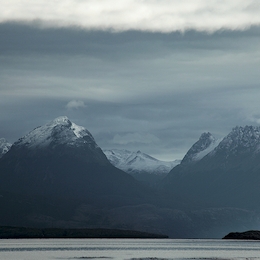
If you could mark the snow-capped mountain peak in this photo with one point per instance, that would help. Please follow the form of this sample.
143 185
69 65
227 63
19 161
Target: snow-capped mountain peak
239 140
201 148
242 139
59 131
60 120
4 146
138 162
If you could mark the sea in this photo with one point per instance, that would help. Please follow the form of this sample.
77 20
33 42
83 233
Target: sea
129 249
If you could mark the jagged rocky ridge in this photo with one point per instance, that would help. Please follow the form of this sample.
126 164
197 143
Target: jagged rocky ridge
241 140
229 175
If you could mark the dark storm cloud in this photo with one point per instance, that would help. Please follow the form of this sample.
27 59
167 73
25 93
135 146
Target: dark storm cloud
134 90
24 40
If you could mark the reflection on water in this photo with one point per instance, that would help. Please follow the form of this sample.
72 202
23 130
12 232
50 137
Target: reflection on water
128 249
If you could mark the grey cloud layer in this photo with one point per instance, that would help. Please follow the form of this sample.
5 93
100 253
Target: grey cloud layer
160 16
159 90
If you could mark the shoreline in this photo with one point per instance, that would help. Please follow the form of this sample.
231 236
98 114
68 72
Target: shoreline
9 232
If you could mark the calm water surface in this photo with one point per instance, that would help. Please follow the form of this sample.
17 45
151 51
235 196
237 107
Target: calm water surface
119 249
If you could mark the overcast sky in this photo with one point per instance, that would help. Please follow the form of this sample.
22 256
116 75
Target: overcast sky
148 75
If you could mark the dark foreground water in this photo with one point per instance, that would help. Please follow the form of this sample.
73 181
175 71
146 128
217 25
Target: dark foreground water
39 249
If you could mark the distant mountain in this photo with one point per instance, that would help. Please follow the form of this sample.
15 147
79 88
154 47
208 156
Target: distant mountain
229 175
4 146
138 164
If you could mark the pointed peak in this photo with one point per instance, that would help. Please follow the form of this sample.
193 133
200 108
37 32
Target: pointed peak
206 135
61 120
202 147
59 131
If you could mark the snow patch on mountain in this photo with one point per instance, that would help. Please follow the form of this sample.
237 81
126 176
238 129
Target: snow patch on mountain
4 146
59 131
138 162
78 130
208 150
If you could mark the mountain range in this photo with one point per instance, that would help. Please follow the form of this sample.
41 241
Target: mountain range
141 166
57 176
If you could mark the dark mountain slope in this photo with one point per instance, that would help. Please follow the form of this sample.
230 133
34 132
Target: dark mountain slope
227 176
61 159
